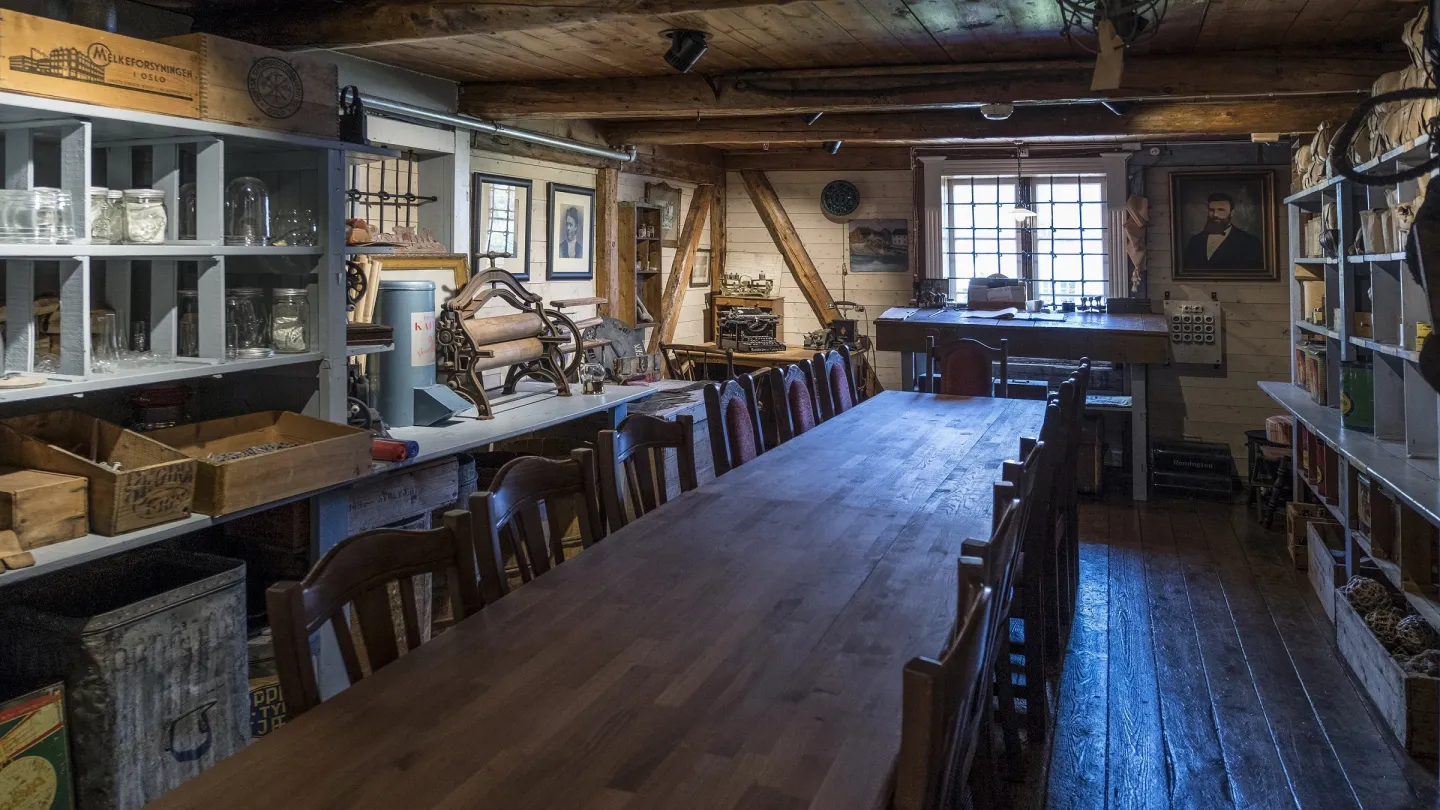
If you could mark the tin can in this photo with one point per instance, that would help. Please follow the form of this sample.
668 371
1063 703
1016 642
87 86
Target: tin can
1357 396
1422 331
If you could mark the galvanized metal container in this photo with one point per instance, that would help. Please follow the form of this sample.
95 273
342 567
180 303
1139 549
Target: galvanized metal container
151 646
409 306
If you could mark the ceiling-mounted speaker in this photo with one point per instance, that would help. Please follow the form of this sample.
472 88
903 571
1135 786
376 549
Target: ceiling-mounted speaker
839 200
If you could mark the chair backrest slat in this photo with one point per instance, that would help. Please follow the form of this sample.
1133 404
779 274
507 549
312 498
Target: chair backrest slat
793 392
631 458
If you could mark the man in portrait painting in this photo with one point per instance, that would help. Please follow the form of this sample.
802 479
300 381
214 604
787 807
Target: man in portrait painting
572 234
1221 244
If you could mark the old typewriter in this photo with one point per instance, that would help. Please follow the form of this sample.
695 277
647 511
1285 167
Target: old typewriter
748 329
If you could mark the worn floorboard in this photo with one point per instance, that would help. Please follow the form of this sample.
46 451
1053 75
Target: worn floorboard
1201 673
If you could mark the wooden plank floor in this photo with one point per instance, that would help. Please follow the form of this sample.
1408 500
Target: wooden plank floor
1202 673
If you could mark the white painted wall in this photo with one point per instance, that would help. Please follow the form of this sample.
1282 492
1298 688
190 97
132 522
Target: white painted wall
883 195
1218 405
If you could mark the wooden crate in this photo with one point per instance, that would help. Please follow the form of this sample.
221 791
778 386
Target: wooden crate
258 87
1410 704
153 484
43 508
1326 574
45 57
1377 519
403 494
1415 548
325 454
1298 517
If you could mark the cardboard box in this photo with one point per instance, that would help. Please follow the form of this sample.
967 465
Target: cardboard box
43 508
152 484
45 57
325 454
257 87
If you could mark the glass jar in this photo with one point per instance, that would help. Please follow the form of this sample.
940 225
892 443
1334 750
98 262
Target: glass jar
289 320
145 217
105 216
247 212
104 342
247 327
54 217
189 337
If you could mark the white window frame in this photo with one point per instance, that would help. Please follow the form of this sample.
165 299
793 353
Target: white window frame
1112 165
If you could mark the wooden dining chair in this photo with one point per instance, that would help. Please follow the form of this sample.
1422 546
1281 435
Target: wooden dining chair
633 478
965 367
357 573
835 381
1072 406
508 521
1044 540
766 407
944 705
1034 588
733 420
1000 556
793 391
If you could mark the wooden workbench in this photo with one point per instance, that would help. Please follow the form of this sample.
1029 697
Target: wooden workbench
792 354
1135 340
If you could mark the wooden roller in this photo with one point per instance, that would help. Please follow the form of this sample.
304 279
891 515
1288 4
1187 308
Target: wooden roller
509 353
500 328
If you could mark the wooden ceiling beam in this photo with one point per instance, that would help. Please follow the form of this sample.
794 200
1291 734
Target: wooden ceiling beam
940 127
299 24
831 90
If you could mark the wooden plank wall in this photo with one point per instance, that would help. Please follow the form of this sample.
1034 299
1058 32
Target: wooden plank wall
883 195
1209 404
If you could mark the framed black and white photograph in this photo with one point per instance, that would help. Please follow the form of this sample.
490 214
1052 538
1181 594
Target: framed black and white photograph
500 223
879 245
1222 226
668 198
700 274
572 230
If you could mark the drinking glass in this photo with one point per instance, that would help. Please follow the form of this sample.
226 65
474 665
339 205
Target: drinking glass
104 342
247 326
189 337
247 212
294 226
187 211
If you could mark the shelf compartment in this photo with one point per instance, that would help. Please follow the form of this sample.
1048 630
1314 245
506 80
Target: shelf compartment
1307 260
378 348
182 369
1318 329
1376 257
1388 349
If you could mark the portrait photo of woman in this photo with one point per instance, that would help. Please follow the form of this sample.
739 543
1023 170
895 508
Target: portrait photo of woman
572 223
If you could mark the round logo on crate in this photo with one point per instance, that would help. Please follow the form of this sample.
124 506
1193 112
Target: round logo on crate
275 87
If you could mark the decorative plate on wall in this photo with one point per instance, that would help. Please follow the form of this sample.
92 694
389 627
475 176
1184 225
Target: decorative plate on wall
839 199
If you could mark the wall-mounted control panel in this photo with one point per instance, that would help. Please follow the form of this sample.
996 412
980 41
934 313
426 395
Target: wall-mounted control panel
1195 331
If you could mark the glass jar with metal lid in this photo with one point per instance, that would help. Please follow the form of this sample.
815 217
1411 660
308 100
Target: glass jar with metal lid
107 215
145 217
290 320
247 325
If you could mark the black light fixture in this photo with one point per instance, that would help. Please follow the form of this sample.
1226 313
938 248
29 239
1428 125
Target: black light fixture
686 47
833 147
1118 107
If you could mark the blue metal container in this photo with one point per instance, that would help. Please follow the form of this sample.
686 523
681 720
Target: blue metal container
409 307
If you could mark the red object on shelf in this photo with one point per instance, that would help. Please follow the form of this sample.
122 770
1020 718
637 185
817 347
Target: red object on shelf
391 450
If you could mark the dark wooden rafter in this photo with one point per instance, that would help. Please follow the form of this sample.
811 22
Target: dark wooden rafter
701 200
1174 78
380 22
792 248
1090 121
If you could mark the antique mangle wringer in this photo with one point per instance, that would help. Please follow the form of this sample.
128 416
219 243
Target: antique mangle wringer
535 342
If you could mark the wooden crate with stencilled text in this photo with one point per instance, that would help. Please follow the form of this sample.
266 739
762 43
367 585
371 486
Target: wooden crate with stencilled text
134 481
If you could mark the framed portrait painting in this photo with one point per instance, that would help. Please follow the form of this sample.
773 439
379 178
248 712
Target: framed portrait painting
668 198
571 253
1222 226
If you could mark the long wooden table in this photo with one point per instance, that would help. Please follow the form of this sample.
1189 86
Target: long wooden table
1138 340
741 647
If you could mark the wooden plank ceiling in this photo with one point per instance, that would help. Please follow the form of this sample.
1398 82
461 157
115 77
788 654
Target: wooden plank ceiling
1223 67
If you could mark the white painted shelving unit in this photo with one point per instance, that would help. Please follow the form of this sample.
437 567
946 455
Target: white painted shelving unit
74 146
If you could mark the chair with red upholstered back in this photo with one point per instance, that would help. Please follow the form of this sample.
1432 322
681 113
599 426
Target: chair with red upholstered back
793 391
964 367
835 381
733 419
